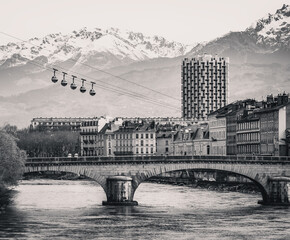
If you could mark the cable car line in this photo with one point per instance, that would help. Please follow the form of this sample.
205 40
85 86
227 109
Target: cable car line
126 92
113 90
134 93
100 70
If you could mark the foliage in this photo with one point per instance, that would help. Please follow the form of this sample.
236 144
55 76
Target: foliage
11 160
11 129
48 144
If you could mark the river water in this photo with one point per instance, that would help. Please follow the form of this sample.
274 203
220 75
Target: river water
54 209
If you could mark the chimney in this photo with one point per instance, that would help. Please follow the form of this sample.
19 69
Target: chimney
285 99
270 99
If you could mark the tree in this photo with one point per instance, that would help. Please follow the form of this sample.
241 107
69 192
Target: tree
48 144
11 160
11 129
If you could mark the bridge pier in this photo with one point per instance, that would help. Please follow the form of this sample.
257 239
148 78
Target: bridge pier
279 191
119 191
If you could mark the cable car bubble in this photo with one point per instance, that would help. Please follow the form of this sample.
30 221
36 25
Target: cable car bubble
83 88
63 81
92 91
54 78
73 86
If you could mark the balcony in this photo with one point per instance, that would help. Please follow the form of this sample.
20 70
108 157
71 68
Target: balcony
248 142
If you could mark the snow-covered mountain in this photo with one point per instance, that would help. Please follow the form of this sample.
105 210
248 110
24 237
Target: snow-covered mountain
109 47
273 30
266 41
259 65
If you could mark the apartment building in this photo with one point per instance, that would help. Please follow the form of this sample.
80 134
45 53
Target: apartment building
90 138
223 125
163 143
58 124
191 140
274 123
204 85
145 140
248 135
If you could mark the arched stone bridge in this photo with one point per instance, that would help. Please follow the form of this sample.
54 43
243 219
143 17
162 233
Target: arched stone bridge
121 176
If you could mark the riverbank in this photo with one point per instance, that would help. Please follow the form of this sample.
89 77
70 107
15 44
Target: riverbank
6 195
53 176
247 187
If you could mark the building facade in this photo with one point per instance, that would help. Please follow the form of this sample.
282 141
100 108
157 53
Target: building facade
124 141
192 140
248 135
231 134
144 141
117 138
223 125
161 120
90 137
274 122
182 141
55 124
163 143
204 85
201 142
217 134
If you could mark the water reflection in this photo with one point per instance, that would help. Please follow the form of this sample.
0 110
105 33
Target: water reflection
49 209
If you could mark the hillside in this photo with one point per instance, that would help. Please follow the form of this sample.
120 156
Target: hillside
259 65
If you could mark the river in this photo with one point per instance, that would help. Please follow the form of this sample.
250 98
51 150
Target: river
54 209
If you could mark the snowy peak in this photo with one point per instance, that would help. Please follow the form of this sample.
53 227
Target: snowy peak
151 46
93 44
274 29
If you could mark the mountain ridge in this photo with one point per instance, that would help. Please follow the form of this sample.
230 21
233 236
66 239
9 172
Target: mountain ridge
122 44
257 68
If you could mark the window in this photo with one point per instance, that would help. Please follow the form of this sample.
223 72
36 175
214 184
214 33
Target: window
141 150
141 135
137 135
151 150
146 150
146 135
110 151
142 143
166 149
166 142
137 150
151 135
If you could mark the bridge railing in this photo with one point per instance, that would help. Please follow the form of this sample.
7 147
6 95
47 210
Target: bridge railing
156 158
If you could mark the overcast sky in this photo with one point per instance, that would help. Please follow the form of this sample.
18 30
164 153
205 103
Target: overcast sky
186 21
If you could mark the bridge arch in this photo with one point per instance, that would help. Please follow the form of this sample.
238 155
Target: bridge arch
101 180
260 179
262 189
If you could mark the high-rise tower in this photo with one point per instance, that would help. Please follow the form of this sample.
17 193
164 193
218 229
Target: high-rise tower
204 85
